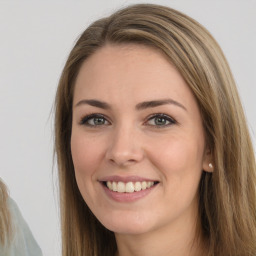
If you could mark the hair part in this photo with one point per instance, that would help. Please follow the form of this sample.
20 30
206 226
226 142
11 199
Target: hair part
227 204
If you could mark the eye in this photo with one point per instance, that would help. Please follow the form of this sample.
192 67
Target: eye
160 120
94 120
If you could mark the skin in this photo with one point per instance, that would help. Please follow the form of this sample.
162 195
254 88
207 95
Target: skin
130 141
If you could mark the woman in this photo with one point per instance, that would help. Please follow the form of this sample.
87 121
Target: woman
153 149
15 235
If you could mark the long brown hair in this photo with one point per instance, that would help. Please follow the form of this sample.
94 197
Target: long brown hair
227 205
5 217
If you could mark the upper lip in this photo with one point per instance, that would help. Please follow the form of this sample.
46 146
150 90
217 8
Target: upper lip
125 179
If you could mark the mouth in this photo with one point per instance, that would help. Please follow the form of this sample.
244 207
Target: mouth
129 187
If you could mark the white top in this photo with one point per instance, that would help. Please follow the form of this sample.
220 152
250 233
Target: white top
23 244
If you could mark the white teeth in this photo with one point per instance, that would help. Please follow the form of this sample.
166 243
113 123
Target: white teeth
143 185
109 185
137 186
150 184
120 187
129 187
114 186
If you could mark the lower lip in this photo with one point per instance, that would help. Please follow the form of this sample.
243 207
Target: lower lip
128 197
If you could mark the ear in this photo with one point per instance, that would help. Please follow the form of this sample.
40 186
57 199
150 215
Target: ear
208 165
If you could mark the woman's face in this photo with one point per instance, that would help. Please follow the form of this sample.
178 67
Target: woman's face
137 141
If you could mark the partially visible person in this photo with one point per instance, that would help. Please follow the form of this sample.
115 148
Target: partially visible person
16 238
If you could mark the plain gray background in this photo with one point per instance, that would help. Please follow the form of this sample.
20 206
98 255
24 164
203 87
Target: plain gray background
35 39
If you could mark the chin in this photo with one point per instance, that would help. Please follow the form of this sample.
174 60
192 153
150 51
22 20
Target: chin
133 225
128 230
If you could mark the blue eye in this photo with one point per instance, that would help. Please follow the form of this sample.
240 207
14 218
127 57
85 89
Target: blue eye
94 120
160 120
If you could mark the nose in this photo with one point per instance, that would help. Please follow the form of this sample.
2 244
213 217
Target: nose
125 147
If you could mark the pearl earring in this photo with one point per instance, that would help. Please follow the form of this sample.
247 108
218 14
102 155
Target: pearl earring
210 165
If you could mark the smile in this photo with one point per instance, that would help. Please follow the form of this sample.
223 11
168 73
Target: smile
129 187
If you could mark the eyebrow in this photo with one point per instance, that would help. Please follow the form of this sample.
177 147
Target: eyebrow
139 106
156 103
94 103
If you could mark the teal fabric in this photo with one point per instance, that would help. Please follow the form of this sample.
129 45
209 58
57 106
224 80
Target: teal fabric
23 243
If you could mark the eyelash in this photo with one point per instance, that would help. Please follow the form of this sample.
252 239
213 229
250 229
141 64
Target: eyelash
163 117
85 120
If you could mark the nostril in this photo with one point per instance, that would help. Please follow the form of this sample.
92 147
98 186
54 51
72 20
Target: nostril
122 161
131 160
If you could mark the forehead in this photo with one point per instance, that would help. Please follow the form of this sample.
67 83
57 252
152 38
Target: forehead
128 57
128 67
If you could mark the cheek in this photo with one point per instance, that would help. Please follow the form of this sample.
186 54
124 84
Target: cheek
85 154
179 158
180 162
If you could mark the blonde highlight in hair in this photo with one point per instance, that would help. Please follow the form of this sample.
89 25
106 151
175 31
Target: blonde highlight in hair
5 217
227 204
